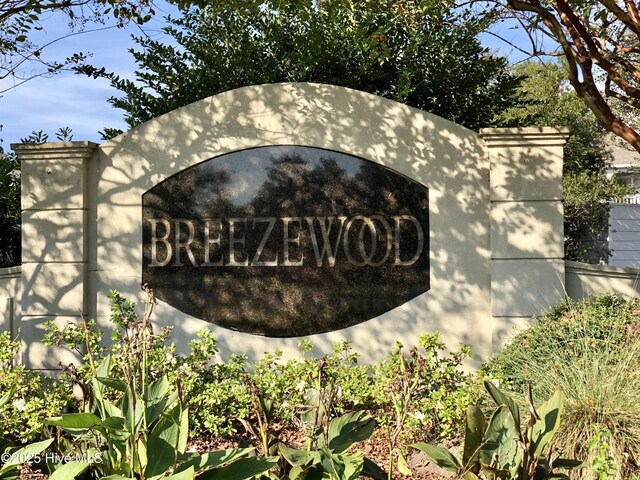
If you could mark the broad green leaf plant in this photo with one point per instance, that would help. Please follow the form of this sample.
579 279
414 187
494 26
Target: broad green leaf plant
12 459
499 448
135 427
326 451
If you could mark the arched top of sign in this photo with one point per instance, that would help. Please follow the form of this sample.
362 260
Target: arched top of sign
286 240
336 118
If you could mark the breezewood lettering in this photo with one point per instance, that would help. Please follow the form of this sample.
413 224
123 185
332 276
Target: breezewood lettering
222 242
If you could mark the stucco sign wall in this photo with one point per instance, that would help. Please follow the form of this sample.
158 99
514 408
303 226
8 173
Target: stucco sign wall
279 211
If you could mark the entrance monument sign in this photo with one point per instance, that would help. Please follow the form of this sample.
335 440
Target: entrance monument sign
273 212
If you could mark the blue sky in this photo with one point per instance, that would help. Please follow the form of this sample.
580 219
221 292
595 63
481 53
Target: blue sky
78 102
67 99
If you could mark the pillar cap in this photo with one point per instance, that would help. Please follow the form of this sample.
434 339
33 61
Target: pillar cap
53 149
528 136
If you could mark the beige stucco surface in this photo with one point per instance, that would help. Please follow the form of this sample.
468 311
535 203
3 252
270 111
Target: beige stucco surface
522 288
527 229
527 244
448 159
52 288
53 196
52 185
35 353
514 163
52 236
584 279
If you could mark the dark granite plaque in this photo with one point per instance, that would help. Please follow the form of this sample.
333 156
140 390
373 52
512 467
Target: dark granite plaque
286 241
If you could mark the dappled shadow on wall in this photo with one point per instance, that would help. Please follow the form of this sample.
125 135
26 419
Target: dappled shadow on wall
444 158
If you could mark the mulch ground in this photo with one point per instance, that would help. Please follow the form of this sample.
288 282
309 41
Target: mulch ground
374 448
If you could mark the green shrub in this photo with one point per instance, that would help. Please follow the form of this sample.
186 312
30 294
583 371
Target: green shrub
206 387
144 433
34 398
603 400
441 391
86 339
219 394
591 349
223 393
433 406
507 443
219 398
291 383
607 321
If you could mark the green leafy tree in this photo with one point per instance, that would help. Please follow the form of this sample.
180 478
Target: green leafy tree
420 52
10 217
600 42
549 100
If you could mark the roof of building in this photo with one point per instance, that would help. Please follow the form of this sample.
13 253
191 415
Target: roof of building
624 156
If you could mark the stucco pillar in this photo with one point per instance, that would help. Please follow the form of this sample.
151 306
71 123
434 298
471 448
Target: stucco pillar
54 257
527 224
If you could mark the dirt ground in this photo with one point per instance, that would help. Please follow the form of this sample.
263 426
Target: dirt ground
373 448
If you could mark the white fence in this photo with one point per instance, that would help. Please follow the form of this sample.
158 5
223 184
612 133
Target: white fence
624 235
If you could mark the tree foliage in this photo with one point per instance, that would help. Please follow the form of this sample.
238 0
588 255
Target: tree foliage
20 18
419 52
600 41
10 217
549 100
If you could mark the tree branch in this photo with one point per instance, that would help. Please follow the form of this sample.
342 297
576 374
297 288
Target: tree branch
8 12
628 19
581 52
623 98
589 50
